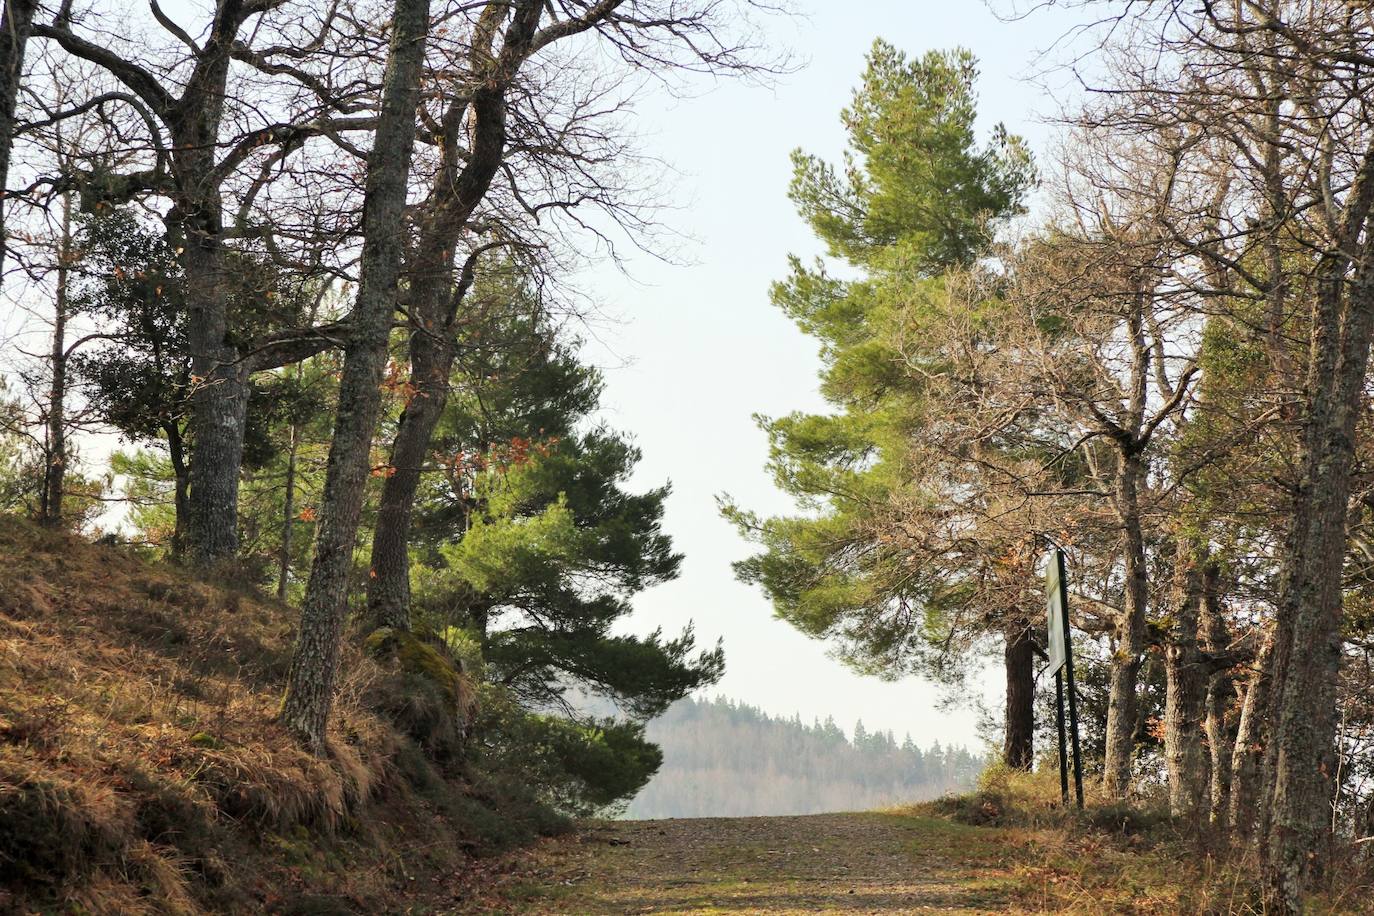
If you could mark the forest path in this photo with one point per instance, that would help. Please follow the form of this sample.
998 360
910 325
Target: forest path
846 863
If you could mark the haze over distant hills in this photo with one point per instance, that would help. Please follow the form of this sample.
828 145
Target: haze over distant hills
724 758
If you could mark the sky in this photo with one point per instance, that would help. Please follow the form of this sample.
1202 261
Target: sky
693 350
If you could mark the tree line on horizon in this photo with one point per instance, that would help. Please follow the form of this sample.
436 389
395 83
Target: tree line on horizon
724 758
1149 347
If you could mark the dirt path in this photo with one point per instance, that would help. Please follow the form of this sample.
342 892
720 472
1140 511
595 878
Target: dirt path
855 863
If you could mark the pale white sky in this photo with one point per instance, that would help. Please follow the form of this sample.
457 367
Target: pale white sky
699 348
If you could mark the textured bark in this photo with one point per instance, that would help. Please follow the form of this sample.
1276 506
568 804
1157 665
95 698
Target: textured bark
1018 748
437 292
315 661
389 584
1122 703
1308 642
219 397
181 476
1247 754
219 409
16 24
1220 693
388 594
55 471
288 515
1186 677
1132 438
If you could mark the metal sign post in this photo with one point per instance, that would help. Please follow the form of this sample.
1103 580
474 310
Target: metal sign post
1061 664
1063 750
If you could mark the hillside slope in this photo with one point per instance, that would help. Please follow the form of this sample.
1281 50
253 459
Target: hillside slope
141 769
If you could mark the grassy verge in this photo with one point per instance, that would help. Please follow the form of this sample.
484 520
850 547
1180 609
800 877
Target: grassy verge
142 771
1118 858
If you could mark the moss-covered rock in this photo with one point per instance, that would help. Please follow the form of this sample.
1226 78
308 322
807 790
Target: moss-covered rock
420 658
427 693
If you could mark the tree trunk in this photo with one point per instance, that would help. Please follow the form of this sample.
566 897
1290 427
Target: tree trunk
1018 748
388 593
219 387
219 406
1130 635
1220 692
55 472
181 475
1303 704
219 383
1275 209
16 23
1248 753
1185 694
219 414
461 182
288 515
314 664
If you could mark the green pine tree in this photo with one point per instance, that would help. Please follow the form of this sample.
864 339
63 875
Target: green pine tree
915 198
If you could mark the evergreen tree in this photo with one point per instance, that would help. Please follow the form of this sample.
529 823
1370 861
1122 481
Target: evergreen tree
868 563
137 377
136 371
529 549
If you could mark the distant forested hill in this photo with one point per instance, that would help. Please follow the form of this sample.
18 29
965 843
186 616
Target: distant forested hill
722 758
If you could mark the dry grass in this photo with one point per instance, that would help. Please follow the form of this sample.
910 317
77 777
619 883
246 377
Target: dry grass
1117 858
141 769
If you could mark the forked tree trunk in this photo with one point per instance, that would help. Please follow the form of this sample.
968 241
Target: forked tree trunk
1247 756
388 593
219 387
437 291
1221 692
1122 702
1185 694
315 662
1018 747
55 473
